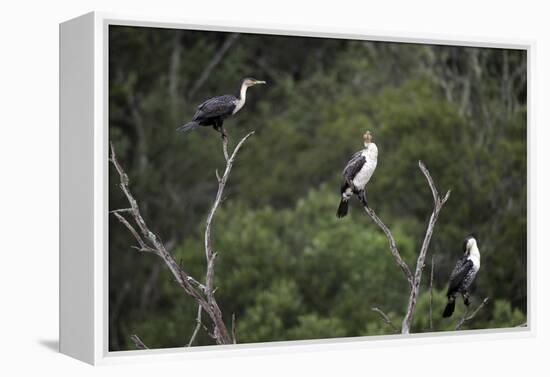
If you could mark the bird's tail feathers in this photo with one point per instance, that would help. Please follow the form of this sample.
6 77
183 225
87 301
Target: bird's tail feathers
188 127
342 208
449 308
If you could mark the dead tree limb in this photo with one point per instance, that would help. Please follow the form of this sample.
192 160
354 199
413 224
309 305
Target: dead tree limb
148 241
386 319
138 343
438 204
393 247
219 331
197 327
413 280
467 317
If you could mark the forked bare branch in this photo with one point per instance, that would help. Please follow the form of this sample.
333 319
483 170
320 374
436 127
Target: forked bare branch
148 241
209 252
414 281
420 263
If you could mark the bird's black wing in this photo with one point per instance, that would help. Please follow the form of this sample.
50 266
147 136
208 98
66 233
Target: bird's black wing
353 166
462 267
215 107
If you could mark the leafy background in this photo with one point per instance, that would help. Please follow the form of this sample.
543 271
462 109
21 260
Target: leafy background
287 267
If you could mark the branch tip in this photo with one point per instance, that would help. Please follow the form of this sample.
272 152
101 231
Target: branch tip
138 342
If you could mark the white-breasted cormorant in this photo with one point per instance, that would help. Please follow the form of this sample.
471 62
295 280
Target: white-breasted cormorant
463 275
213 111
357 174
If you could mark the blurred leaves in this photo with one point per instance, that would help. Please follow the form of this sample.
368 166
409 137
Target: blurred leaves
287 267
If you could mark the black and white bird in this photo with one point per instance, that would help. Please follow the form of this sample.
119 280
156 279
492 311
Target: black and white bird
463 275
213 111
357 174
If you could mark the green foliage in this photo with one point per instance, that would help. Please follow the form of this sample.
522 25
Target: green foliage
504 313
287 268
272 314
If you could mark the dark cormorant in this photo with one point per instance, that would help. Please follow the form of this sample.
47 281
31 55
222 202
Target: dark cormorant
463 275
213 111
357 174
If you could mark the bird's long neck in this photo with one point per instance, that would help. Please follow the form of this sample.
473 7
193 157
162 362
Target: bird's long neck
242 93
241 99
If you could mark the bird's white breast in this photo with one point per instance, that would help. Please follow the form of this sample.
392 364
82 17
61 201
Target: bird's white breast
371 159
238 105
475 258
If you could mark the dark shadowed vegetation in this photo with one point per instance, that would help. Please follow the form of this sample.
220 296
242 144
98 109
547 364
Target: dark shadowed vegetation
287 267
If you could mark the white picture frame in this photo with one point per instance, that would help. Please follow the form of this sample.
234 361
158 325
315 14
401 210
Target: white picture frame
84 194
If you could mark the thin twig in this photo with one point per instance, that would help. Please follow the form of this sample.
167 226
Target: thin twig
121 210
142 245
138 343
197 327
201 286
393 247
467 317
386 319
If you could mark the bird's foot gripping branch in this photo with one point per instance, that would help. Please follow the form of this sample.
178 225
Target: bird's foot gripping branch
150 242
413 280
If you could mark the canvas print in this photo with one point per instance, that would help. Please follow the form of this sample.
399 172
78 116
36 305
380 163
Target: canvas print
269 188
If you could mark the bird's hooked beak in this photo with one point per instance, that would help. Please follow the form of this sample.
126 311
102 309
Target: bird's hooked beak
259 82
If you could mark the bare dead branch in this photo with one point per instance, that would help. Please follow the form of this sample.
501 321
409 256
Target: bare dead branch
149 241
142 245
121 210
138 343
386 319
467 317
209 252
154 243
414 281
393 247
197 327
420 263
199 285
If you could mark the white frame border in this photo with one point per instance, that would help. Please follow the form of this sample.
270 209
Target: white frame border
100 178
